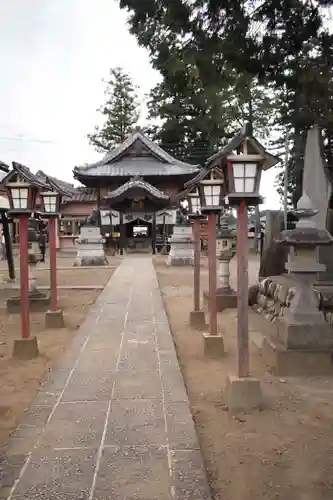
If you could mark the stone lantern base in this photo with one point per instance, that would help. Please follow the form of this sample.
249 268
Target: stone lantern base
290 347
37 303
225 299
182 250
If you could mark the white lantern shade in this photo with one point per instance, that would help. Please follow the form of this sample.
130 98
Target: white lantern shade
194 202
212 195
50 200
244 177
19 197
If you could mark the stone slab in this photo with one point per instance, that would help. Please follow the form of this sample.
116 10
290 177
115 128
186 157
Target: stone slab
89 386
134 473
54 475
137 422
296 362
189 475
243 394
78 425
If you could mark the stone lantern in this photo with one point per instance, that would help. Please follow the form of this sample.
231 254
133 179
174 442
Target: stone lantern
300 341
226 297
303 265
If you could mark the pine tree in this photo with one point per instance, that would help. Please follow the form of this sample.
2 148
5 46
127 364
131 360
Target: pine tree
121 112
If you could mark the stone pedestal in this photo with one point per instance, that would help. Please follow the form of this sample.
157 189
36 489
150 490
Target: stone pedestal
25 349
37 303
243 394
182 250
54 319
213 345
90 247
197 320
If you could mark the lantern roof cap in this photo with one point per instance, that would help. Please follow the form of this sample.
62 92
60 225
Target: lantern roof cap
26 174
246 132
61 187
4 167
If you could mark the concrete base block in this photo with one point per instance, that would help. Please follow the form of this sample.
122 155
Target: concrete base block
243 394
224 299
25 348
297 362
197 320
37 303
54 319
180 261
87 261
213 345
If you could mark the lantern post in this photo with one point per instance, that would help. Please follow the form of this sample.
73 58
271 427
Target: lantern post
197 317
243 171
22 188
211 195
51 200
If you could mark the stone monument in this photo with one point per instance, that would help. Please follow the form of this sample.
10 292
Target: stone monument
182 249
90 244
317 184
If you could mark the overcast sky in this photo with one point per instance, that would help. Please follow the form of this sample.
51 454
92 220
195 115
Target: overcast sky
53 57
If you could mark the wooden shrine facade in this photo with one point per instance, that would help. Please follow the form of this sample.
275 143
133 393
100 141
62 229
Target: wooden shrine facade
137 183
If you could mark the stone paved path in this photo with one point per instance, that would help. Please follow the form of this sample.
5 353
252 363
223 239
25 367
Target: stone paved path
113 420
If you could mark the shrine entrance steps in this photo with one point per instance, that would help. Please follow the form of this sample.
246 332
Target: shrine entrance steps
113 420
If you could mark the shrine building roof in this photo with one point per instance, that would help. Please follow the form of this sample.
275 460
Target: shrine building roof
137 155
138 182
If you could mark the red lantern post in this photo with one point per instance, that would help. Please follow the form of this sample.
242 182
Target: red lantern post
197 317
53 263
22 187
24 275
51 200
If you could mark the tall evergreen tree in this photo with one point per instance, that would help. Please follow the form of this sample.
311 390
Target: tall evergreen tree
120 111
281 44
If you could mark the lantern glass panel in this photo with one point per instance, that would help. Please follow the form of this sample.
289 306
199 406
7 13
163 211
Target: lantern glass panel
196 206
244 177
20 198
212 195
50 204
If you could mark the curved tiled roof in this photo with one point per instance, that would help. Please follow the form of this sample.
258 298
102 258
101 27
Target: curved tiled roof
116 163
138 182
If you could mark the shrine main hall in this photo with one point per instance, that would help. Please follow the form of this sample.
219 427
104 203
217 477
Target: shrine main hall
135 187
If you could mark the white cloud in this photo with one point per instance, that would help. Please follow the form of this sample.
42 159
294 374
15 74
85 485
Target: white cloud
53 56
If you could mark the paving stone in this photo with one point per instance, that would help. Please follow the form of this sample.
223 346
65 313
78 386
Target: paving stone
133 473
173 387
189 476
133 385
76 425
136 422
33 422
56 380
138 356
180 427
97 361
89 387
58 475
10 468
